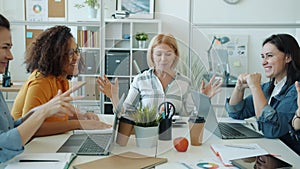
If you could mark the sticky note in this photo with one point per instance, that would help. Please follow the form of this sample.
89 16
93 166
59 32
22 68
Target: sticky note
29 34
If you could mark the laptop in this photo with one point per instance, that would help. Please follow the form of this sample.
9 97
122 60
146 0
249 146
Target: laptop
91 143
220 129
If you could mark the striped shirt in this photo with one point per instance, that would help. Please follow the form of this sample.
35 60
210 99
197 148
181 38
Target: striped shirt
147 90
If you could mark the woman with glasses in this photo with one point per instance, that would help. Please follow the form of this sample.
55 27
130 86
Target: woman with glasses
52 60
273 103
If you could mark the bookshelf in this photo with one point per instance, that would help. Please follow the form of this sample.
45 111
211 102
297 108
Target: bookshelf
123 58
100 40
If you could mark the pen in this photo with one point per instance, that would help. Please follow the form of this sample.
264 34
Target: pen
187 166
244 147
27 160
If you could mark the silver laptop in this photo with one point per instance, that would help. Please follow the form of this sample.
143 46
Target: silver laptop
221 129
90 144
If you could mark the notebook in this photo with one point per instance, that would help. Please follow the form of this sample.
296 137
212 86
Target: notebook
127 160
41 160
221 129
90 143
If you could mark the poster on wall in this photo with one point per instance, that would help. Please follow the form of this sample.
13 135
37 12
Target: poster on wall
37 10
142 9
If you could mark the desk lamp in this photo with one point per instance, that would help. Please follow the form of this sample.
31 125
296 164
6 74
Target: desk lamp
227 77
221 40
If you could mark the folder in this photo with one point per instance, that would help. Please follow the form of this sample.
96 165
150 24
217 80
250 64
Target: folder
56 8
127 160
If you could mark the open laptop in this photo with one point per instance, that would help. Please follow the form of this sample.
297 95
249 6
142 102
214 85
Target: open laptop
221 129
90 143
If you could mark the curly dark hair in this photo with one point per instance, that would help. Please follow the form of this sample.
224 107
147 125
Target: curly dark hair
289 46
48 53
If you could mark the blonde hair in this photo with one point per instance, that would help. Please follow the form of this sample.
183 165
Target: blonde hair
167 39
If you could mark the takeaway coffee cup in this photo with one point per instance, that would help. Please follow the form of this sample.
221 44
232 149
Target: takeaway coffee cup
125 129
196 127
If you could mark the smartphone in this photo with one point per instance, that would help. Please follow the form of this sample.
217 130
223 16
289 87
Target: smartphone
261 162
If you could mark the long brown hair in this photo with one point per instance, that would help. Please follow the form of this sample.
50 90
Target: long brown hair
289 46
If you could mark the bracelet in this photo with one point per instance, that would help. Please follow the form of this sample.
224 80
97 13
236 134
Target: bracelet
294 118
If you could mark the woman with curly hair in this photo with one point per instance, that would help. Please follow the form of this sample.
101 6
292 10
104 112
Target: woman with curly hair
52 60
15 134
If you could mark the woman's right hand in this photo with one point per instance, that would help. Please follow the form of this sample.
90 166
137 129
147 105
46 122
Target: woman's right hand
93 125
60 104
241 83
104 86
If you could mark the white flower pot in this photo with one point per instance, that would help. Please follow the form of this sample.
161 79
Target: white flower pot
92 12
142 44
146 137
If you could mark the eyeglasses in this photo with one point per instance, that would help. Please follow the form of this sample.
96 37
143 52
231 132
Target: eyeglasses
76 51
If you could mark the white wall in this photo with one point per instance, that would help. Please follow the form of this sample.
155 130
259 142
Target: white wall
175 20
217 11
247 11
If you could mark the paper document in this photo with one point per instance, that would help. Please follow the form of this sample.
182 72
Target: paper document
227 152
41 160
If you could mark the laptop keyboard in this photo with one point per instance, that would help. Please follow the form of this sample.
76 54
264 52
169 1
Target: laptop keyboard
229 131
89 145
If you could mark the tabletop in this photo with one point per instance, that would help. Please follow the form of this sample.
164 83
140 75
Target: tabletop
193 156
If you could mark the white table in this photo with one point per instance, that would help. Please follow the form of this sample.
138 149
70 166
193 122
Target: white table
165 148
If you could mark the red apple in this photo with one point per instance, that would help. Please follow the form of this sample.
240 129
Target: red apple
181 144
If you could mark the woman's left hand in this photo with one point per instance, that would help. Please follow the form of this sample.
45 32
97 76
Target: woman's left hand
91 116
212 88
253 80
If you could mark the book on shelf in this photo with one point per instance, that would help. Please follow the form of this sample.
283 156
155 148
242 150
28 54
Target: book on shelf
41 160
88 38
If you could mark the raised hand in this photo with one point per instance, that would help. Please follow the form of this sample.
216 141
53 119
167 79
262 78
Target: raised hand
241 83
115 92
212 88
253 80
60 104
104 86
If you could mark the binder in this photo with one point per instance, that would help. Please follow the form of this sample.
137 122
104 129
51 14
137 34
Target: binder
127 160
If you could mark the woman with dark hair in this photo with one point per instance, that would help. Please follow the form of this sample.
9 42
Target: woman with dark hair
15 134
52 59
273 103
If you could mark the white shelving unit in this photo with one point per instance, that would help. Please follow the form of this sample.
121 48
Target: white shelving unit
123 58
87 32
97 37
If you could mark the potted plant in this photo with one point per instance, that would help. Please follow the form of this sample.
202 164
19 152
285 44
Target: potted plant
141 38
146 126
93 7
